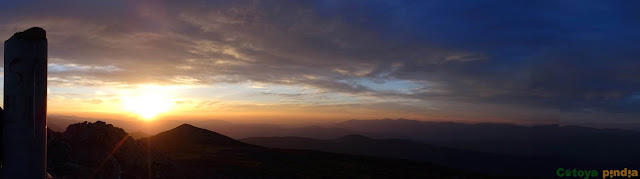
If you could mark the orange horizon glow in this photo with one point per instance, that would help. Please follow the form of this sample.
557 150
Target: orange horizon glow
241 103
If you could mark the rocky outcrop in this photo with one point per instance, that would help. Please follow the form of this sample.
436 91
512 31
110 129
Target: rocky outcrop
100 150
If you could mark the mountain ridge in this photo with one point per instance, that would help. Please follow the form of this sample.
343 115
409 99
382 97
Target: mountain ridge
188 136
411 150
212 150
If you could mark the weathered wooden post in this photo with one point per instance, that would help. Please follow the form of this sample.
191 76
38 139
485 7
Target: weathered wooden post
24 122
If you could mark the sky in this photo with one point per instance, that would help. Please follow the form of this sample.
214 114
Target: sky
568 62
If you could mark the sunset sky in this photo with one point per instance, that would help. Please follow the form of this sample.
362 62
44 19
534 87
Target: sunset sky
570 62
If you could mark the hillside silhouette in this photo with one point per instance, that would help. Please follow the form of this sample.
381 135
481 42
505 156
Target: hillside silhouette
187 136
575 145
604 147
497 164
100 150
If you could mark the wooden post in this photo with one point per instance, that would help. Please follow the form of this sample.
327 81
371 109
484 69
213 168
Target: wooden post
24 122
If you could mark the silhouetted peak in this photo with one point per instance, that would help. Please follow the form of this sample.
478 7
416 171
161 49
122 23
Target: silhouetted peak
98 133
98 126
353 137
186 126
189 134
191 130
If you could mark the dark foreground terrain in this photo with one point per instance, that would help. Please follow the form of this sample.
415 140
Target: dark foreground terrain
100 150
494 149
497 164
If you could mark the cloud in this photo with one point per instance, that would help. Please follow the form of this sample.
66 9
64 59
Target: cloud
534 55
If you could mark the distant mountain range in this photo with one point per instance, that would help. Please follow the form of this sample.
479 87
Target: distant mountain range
597 147
100 150
552 146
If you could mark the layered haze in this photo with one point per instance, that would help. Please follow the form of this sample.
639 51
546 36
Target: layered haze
328 61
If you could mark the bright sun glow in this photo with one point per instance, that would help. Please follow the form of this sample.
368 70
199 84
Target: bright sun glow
148 103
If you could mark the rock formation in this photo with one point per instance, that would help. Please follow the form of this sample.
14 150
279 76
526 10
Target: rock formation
100 150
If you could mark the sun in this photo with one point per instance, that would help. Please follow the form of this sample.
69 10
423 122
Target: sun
148 104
